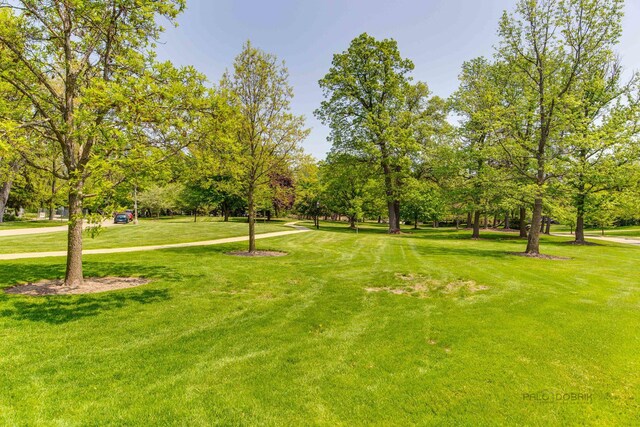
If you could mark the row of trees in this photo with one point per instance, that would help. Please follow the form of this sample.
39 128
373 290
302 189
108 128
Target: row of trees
546 128
86 103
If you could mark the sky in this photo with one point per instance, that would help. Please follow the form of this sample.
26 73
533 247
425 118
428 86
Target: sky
437 35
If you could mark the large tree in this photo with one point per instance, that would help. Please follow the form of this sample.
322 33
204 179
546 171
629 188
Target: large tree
374 111
267 133
602 138
83 65
548 47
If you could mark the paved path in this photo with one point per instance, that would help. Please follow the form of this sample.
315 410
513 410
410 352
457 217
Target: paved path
623 240
44 230
298 229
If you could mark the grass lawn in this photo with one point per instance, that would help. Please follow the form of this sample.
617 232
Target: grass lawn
11 225
302 339
628 231
147 232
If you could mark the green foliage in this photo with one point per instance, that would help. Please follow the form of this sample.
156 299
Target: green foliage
375 113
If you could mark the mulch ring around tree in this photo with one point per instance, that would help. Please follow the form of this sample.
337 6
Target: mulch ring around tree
540 256
91 285
257 253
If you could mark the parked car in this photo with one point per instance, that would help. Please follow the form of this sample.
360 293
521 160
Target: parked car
121 218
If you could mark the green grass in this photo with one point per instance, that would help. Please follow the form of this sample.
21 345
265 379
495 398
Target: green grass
297 340
11 225
630 231
147 232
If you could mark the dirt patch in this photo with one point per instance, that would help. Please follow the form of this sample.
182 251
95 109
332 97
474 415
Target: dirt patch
257 253
540 256
424 287
91 285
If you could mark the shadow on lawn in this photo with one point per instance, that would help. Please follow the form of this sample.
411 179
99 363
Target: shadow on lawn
59 309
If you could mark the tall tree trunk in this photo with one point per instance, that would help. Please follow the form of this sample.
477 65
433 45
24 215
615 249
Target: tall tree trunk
252 220
547 229
415 222
544 220
476 225
580 202
135 204
396 208
393 220
523 221
533 243
74 275
5 189
352 222
486 221
507 226
469 225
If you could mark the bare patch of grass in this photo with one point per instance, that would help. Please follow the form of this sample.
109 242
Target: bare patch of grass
257 253
422 287
90 285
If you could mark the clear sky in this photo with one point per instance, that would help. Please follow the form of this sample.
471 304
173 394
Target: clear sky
437 35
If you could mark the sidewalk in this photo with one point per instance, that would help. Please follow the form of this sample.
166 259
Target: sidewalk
298 229
45 230
623 240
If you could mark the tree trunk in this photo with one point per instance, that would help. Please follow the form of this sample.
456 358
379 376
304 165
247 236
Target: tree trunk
226 214
5 189
579 238
486 221
542 223
393 220
457 224
73 276
523 221
396 208
379 219
469 225
352 222
533 243
135 204
547 229
507 226
415 222
476 225
252 220
495 221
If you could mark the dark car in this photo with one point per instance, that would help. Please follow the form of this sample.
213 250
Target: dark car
121 218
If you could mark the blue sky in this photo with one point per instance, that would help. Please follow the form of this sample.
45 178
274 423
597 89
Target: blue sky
437 35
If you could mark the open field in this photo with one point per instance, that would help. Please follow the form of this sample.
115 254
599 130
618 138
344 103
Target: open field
12 225
629 231
426 327
147 232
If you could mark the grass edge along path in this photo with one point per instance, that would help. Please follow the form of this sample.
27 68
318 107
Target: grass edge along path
297 229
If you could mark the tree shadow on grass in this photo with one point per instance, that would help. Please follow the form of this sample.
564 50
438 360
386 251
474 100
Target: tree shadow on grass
60 309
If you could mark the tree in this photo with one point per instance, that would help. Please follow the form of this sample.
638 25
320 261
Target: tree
374 112
267 133
547 49
602 137
85 68
350 186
